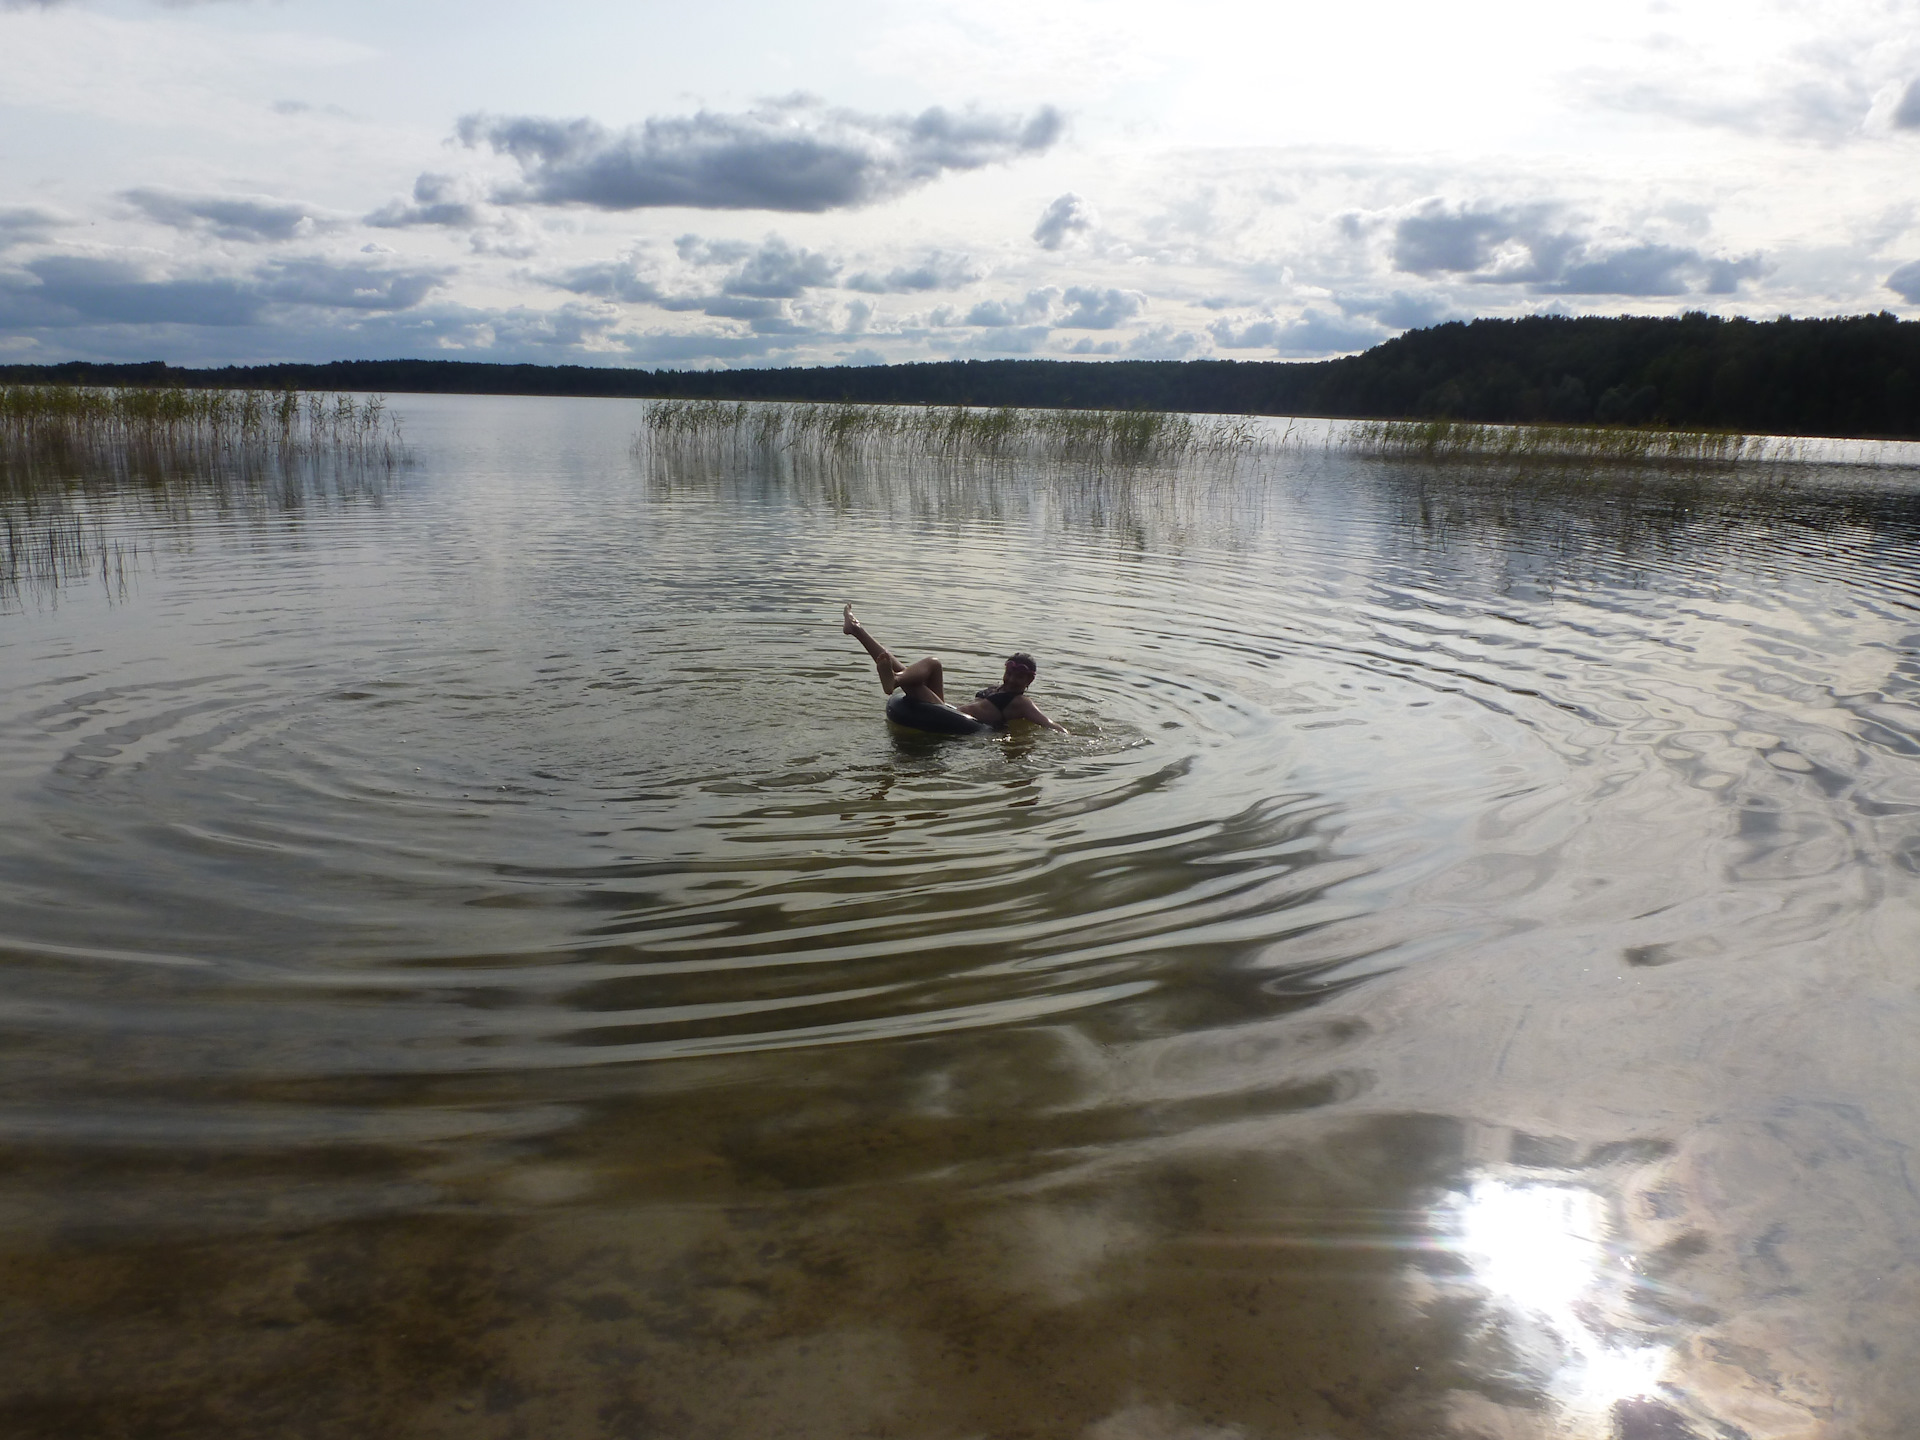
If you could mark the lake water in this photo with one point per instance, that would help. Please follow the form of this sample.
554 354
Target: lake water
477 963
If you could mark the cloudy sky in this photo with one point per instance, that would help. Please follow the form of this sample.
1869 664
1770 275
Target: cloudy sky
852 181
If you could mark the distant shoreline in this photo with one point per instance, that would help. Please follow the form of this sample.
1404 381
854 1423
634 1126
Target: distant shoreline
1855 377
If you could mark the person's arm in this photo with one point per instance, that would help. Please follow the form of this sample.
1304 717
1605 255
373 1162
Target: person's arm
1023 708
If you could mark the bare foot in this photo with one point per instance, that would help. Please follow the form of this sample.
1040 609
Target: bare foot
848 624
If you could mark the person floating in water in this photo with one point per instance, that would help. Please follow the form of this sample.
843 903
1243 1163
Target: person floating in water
922 702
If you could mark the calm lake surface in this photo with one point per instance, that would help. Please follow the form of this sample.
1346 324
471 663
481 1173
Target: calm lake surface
475 962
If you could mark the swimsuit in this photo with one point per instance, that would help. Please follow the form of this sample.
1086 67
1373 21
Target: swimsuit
999 699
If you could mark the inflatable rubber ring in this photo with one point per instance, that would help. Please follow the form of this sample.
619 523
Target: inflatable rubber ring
933 719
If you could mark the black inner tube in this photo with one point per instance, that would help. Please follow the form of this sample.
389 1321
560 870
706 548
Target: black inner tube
934 719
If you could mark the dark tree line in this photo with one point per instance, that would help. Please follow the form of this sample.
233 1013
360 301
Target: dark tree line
1854 376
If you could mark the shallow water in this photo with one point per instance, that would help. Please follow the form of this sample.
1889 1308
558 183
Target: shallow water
477 962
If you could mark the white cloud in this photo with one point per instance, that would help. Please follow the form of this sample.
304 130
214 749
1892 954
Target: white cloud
758 288
28 224
252 218
1538 246
438 199
1164 342
1313 332
1497 243
796 155
55 292
1906 114
1034 307
1090 308
1823 74
935 270
1064 221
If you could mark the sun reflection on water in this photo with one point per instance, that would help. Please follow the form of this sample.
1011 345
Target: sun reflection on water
1545 1252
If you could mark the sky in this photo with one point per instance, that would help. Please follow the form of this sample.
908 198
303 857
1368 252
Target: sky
866 181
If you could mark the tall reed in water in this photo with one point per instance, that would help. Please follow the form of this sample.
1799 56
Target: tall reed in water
1126 437
51 548
63 447
175 423
1446 440
950 432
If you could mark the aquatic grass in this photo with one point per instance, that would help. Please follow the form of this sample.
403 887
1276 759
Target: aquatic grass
956 433
206 419
160 434
73 460
45 551
1443 441
720 428
1108 467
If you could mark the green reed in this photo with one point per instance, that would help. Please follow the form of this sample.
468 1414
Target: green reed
178 425
48 550
958 432
1450 440
70 455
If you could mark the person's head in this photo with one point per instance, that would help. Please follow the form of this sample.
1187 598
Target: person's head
1020 671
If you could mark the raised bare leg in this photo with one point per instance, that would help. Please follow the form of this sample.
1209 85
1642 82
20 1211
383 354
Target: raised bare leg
883 661
924 680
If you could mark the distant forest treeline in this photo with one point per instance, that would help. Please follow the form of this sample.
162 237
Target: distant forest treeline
1857 376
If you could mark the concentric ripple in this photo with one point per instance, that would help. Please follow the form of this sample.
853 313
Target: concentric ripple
532 773
423 818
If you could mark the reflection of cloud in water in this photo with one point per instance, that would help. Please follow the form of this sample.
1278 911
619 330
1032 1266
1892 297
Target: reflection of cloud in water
1543 1253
